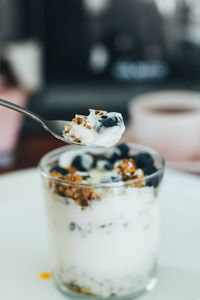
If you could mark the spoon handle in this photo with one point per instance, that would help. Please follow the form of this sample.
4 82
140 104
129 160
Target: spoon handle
22 110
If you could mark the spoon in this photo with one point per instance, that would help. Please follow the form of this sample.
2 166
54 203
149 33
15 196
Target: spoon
55 127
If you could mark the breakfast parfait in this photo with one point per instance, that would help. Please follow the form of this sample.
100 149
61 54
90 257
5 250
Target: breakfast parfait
103 218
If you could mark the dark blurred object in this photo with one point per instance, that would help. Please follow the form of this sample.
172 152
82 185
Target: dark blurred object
12 19
108 40
132 40
187 36
10 121
7 76
20 19
104 40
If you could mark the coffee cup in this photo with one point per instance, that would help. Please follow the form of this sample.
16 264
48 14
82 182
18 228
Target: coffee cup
168 121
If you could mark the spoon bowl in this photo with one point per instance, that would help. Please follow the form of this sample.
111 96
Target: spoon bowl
56 127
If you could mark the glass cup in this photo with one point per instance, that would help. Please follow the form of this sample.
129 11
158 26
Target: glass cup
105 247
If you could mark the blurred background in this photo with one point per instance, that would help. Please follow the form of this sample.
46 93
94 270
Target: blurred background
63 57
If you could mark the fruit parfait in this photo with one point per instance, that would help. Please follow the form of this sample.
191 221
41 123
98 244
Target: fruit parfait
103 218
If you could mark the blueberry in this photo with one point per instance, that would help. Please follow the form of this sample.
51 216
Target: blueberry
109 165
83 162
60 170
148 170
142 160
124 150
120 151
104 163
109 121
72 226
77 163
104 118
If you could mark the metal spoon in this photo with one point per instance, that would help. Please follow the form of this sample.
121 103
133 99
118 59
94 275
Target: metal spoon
55 127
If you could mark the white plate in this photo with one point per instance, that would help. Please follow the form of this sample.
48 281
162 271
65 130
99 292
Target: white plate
24 243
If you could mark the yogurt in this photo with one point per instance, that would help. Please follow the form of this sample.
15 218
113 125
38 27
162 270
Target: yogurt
108 249
99 128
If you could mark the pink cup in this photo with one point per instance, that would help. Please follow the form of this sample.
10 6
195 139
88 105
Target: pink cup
10 124
169 122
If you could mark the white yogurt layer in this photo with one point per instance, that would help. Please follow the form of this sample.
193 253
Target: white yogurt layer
111 246
103 129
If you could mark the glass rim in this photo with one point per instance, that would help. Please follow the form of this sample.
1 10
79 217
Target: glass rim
121 183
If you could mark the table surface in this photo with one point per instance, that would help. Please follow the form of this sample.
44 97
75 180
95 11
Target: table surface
24 251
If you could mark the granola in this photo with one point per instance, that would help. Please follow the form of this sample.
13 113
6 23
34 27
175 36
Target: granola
70 187
77 179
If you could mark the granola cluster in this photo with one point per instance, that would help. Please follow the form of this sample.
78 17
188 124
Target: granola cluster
98 112
83 121
66 131
71 188
79 120
72 285
126 168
